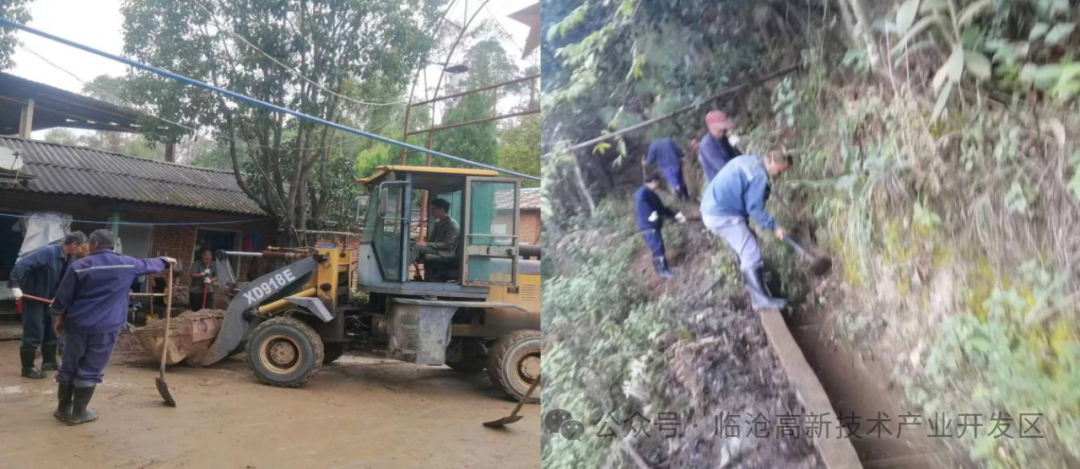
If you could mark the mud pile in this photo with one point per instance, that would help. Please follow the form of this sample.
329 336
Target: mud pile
190 334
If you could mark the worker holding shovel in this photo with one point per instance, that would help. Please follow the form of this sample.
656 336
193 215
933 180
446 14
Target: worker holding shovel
739 192
37 275
203 275
92 309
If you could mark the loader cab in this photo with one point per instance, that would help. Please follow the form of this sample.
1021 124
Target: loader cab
484 207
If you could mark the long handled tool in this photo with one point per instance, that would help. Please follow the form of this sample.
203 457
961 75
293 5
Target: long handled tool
818 265
35 298
163 388
514 417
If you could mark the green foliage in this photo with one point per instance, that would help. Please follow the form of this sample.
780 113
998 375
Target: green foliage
19 12
476 142
519 148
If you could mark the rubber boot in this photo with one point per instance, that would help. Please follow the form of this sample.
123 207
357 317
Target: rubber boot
28 355
660 263
79 414
63 409
759 299
48 358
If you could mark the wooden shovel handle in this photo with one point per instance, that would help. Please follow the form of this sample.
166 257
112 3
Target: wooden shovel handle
168 315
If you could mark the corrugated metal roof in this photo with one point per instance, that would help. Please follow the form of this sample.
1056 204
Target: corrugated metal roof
63 169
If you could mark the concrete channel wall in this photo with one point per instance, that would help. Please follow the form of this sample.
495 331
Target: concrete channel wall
835 453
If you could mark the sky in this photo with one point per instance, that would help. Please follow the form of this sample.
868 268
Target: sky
99 24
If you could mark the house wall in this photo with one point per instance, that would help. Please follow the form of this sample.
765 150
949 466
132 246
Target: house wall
530 226
173 241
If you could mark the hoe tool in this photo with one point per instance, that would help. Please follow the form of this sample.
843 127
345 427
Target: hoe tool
818 265
163 388
514 417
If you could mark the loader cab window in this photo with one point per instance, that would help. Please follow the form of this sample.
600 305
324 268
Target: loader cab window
384 227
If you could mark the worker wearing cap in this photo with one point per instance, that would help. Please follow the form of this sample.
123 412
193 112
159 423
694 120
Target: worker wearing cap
716 149
650 220
666 155
38 274
737 193
91 308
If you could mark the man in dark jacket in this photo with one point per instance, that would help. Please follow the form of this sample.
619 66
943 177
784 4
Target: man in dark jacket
38 274
650 220
716 149
91 306
665 154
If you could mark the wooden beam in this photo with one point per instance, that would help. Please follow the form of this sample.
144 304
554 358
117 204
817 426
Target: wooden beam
26 119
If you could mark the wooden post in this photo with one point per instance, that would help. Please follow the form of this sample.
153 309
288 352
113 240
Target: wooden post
26 119
170 152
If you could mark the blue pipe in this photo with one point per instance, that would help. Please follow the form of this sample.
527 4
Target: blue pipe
175 76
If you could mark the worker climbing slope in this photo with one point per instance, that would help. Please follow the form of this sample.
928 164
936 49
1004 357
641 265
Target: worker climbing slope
39 273
716 149
650 220
665 154
739 192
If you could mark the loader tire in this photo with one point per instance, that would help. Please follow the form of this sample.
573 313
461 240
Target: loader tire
285 352
514 363
473 357
333 352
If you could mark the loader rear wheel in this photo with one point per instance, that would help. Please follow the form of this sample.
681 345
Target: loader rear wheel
514 364
285 352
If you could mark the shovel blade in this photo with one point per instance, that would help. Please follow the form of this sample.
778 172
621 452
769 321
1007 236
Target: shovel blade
163 389
503 421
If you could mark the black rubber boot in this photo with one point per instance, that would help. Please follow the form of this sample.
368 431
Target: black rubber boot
759 299
48 358
79 413
63 409
28 355
660 263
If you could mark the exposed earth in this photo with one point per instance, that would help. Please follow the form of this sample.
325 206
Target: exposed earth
359 412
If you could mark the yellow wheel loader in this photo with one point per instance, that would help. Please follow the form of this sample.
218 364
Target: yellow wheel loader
475 306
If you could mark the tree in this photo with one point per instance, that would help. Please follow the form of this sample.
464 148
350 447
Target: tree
289 167
519 148
19 12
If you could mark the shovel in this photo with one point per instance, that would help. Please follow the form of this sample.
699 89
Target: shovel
514 417
35 298
818 265
163 388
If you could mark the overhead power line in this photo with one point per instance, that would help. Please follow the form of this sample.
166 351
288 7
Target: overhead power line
247 99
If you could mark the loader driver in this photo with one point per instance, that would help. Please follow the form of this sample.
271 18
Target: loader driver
91 308
439 252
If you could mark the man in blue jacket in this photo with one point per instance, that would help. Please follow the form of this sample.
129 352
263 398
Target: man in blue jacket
739 192
715 149
650 220
38 274
665 154
91 307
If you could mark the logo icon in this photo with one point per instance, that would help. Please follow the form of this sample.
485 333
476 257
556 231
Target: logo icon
561 422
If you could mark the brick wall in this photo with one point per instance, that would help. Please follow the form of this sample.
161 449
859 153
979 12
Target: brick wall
530 227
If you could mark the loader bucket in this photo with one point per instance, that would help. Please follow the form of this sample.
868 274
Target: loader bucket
190 336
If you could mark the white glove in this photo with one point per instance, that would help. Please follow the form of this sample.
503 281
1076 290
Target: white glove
206 279
17 293
654 216
679 217
206 272
733 140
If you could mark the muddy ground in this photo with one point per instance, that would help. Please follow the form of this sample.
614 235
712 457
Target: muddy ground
359 412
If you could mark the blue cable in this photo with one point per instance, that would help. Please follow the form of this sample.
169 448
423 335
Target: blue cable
175 76
137 223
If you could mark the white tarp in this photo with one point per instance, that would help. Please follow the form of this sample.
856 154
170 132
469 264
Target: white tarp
42 229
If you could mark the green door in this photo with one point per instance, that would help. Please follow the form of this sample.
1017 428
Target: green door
492 218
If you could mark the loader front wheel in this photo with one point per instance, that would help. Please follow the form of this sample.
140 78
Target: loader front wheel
285 352
514 364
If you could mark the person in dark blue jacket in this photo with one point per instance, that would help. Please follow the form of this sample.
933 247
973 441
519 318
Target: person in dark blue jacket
650 220
38 274
737 193
716 149
91 306
666 155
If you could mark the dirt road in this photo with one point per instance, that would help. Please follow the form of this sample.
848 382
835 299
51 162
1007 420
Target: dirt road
359 412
